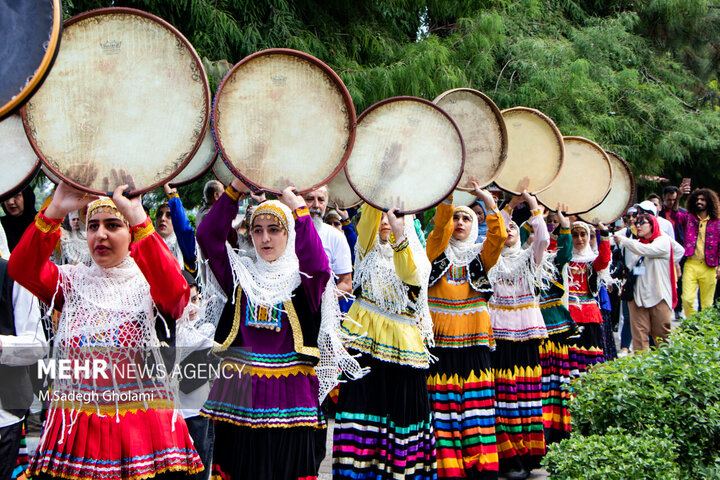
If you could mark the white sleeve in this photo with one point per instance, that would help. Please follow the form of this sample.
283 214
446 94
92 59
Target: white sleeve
341 262
667 227
678 251
29 344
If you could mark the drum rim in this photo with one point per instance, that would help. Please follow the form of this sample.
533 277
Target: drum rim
178 35
43 69
345 93
558 135
503 128
381 103
23 184
631 199
594 144
205 170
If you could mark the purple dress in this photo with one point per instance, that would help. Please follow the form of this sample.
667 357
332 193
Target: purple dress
265 403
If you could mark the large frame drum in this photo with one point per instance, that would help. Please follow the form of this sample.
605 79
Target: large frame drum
127 101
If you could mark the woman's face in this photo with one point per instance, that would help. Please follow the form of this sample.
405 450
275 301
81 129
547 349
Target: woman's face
269 238
644 228
513 235
462 223
384 228
108 238
579 238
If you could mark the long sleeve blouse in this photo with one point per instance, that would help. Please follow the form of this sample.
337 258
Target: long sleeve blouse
216 225
31 267
655 284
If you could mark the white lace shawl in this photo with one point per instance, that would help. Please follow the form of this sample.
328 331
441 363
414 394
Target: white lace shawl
375 273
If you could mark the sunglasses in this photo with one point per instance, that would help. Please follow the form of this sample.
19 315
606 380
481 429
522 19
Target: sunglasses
643 222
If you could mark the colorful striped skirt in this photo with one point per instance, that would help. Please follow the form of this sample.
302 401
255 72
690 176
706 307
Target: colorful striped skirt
518 401
462 396
131 445
586 348
555 361
383 426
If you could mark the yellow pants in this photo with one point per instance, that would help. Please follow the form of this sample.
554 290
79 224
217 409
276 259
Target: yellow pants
697 275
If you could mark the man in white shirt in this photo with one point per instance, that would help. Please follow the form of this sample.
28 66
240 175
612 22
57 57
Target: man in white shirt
22 343
333 240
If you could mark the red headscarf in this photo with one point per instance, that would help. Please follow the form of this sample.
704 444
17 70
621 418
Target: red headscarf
655 234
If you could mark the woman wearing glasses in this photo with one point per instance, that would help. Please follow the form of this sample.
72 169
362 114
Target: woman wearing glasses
651 258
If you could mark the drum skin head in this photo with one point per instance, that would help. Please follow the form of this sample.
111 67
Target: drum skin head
535 151
620 197
585 178
127 101
341 193
30 33
18 161
462 197
408 154
200 163
222 172
282 117
483 130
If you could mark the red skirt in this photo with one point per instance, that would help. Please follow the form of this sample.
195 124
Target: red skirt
138 444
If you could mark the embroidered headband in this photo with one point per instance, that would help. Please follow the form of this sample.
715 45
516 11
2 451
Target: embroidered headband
270 210
103 204
466 210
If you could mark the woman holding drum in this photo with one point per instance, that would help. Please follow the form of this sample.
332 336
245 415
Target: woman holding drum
383 423
461 383
118 310
519 330
265 406
587 268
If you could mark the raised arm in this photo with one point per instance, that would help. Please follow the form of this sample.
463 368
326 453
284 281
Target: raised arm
168 287
30 264
496 235
542 237
183 229
439 238
309 249
212 234
367 229
604 252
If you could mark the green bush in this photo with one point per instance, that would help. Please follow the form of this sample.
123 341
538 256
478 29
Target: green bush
671 393
613 456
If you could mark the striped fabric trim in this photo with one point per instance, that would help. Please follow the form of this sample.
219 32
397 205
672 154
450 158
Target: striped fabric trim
457 307
64 465
467 340
263 418
387 353
518 410
464 421
519 335
370 447
555 362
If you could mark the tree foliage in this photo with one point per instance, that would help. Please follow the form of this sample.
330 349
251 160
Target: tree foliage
638 77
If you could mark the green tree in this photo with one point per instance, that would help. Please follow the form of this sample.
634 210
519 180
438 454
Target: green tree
638 77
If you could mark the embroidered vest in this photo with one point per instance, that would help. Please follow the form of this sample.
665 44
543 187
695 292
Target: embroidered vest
477 276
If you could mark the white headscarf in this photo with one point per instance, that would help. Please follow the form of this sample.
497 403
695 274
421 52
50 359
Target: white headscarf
462 252
587 254
267 284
